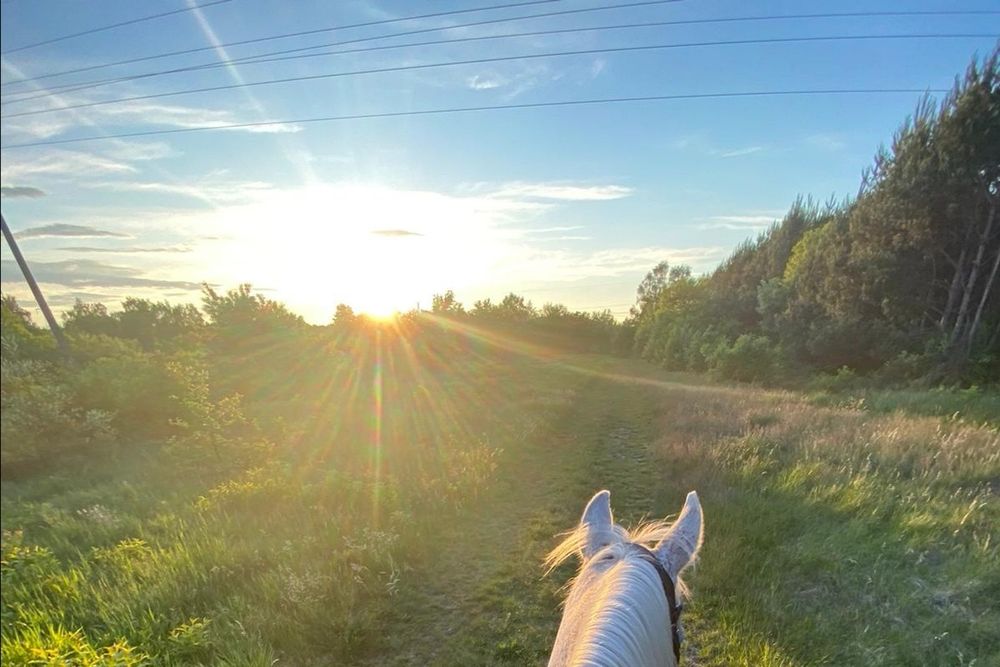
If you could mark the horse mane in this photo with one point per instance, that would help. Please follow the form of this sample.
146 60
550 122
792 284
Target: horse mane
646 533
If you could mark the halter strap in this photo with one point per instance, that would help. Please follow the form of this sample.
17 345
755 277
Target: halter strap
670 590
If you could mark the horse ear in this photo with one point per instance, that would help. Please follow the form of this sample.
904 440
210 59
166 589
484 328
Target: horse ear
680 547
597 524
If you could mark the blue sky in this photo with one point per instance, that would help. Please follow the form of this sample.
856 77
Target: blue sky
568 204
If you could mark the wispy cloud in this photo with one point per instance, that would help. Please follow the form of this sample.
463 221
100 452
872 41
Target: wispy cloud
214 188
395 233
88 273
485 81
699 143
737 152
127 250
826 141
134 112
512 80
21 192
66 231
740 222
548 230
539 264
61 163
562 191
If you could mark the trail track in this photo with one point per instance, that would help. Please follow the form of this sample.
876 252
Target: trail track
481 597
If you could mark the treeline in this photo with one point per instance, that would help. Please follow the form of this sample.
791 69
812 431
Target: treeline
152 372
160 372
897 284
553 325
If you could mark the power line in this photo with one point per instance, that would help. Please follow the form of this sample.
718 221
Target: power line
479 61
259 57
280 55
113 26
300 33
499 107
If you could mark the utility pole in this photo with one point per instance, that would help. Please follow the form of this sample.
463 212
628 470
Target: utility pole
35 289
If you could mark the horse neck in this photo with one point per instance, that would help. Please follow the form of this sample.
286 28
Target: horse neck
615 617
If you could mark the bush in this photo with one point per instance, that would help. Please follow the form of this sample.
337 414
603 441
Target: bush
750 358
136 387
38 419
902 369
213 436
843 380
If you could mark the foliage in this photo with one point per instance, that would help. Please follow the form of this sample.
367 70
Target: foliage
898 284
40 422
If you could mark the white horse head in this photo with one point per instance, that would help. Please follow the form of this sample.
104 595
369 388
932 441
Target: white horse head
622 608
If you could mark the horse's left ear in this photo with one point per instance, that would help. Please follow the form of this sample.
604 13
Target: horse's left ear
680 547
597 524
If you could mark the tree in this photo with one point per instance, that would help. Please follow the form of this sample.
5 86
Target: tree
446 304
90 318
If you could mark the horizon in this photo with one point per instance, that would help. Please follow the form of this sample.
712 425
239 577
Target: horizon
568 205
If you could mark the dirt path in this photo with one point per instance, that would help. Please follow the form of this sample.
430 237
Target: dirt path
480 598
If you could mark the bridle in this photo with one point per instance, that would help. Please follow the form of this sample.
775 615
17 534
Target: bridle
669 589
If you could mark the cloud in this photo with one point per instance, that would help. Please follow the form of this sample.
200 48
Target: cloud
826 142
104 118
547 230
213 188
64 230
395 232
597 67
749 150
88 273
61 163
554 266
514 79
127 250
741 222
562 191
21 192
485 81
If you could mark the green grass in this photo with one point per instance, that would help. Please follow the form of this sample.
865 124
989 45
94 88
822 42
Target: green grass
834 536
973 405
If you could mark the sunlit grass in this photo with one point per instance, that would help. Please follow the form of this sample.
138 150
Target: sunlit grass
415 485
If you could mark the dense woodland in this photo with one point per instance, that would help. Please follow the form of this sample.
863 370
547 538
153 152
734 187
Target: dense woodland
899 283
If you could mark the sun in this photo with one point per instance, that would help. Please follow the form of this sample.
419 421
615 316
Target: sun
378 250
379 311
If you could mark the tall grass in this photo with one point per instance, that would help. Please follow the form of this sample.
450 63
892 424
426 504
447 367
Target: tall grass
838 536
239 542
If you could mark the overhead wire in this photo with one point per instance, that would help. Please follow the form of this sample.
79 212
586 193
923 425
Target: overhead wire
112 26
281 56
479 61
301 33
473 109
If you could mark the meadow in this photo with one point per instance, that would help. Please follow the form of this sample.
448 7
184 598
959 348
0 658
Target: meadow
387 497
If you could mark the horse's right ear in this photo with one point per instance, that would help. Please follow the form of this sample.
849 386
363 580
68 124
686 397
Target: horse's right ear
680 547
597 524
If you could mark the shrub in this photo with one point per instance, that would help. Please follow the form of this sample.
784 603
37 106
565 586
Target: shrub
38 419
136 387
750 358
213 436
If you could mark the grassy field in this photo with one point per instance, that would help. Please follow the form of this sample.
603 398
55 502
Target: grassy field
833 535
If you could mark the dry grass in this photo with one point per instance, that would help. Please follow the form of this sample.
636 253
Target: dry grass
838 536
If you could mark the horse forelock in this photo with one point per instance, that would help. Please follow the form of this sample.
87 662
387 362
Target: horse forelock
646 533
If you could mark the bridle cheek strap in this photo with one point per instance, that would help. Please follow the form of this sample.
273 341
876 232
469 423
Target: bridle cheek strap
670 591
